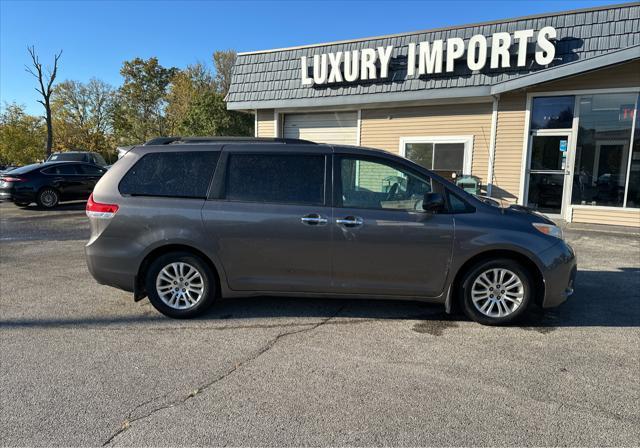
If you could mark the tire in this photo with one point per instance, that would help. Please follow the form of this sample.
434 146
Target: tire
47 198
488 302
182 299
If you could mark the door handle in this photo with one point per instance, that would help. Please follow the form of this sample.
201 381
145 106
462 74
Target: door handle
313 219
350 221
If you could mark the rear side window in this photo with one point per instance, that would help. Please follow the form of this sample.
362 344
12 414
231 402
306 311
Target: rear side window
62 170
99 160
276 178
171 174
90 170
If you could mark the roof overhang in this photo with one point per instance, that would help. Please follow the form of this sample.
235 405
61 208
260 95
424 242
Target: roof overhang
566 70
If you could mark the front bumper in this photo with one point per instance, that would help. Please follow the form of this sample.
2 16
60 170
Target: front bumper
559 273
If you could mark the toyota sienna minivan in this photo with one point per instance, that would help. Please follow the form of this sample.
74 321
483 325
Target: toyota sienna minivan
187 221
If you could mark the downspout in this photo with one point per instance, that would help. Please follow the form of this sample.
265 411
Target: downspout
492 144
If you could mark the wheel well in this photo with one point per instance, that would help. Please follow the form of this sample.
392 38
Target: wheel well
140 291
523 260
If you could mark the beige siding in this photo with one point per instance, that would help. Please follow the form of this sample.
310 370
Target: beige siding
383 128
620 217
266 123
509 143
623 75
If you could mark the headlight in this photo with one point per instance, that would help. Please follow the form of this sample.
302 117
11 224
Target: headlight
548 229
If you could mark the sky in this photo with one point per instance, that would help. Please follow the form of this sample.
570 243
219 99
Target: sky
97 36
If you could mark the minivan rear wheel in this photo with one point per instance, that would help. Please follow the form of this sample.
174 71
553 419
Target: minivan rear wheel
496 292
180 285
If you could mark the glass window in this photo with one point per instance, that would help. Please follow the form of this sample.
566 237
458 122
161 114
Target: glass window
603 147
62 170
381 185
99 160
633 196
68 157
443 158
171 174
552 112
90 170
276 178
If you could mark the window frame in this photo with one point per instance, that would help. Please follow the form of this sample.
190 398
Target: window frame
47 170
219 185
467 140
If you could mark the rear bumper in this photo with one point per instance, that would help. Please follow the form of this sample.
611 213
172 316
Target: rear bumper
559 274
108 268
16 195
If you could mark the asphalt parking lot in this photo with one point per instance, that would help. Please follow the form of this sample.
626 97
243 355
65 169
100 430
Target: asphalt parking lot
82 364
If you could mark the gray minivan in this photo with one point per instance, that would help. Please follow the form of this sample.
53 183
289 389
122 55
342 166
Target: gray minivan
187 221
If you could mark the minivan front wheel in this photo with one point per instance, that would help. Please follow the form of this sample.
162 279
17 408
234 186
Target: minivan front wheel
496 292
180 285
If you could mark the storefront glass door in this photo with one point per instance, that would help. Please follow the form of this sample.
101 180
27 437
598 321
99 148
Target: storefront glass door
548 171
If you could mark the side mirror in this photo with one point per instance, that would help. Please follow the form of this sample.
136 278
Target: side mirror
433 202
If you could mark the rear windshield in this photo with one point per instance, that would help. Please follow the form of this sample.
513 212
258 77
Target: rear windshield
67 157
171 174
24 169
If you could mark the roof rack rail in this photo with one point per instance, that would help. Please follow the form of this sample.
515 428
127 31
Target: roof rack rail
187 140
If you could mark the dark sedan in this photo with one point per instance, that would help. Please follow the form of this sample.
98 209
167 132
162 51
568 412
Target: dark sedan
49 183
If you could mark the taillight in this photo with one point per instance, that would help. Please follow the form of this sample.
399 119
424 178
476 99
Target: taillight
100 210
12 179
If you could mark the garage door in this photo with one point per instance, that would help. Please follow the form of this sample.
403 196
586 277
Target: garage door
331 127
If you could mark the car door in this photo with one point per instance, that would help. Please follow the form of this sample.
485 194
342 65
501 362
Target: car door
67 179
383 242
268 217
91 174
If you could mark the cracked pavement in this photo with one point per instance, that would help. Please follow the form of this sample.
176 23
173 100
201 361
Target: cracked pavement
83 365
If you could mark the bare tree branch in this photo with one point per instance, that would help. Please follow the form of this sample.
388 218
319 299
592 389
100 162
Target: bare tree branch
37 72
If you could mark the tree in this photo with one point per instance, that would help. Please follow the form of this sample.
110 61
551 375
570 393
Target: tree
21 136
208 115
82 115
223 62
186 86
45 82
141 101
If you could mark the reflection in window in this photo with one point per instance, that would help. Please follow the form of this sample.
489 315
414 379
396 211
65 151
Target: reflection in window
443 158
602 151
633 196
552 112
375 185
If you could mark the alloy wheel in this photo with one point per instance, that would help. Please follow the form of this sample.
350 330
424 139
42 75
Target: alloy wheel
180 285
497 292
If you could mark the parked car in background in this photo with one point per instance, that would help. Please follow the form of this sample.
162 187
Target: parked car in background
78 156
49 183
186 221
7 168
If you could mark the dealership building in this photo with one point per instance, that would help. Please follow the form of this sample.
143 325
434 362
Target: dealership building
543 110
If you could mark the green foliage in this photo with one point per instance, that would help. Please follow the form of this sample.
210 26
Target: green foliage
141 101
82 115
186 86
223 62
22 136
208 115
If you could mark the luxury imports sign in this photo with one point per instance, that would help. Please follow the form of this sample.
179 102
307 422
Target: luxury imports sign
427 58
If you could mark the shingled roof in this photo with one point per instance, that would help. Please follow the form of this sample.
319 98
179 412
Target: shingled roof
586 39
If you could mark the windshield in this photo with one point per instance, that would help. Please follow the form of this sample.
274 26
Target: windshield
67 157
